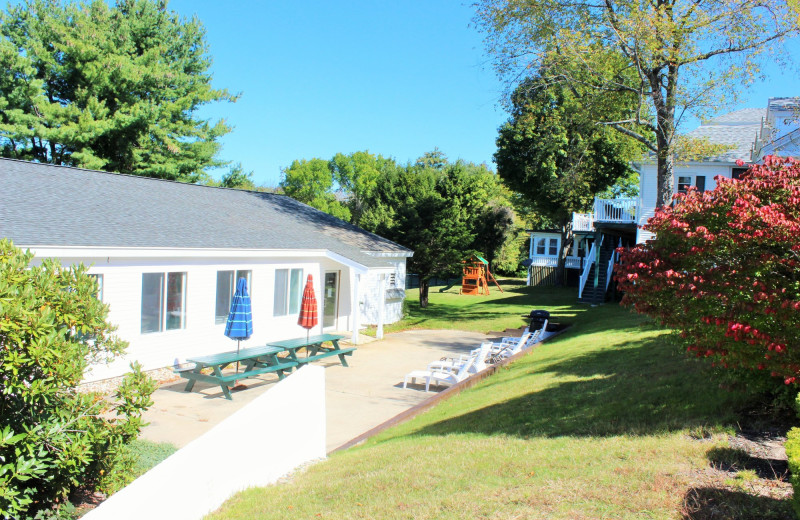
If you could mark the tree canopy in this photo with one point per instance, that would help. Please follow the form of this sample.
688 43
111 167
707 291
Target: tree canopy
552 152
111 88
672 55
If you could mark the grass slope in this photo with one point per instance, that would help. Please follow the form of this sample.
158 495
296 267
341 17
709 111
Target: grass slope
601 422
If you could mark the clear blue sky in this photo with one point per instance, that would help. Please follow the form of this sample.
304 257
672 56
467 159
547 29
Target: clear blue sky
318 77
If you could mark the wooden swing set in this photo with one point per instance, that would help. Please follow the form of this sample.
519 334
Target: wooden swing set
476 276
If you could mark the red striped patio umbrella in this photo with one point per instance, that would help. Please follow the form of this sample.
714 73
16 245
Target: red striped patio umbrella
308 318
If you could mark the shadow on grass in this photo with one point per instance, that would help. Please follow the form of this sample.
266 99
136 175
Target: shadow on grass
734 459
640 387
718 504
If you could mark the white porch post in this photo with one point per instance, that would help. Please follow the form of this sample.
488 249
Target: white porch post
356 309
530 255
381 305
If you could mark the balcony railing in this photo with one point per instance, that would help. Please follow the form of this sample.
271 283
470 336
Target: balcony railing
616 210
552 261
582 222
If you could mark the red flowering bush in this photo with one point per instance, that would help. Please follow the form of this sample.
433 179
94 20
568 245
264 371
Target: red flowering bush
724 270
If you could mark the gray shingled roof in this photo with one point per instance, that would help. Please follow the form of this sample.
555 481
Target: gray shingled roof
738 129
46 205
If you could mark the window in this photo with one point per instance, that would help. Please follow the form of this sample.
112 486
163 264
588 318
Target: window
540 246
226 286
736 173
159 312
700 182
288 291
684 183
553 249
99 279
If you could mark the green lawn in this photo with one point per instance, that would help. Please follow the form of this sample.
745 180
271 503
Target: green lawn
606 421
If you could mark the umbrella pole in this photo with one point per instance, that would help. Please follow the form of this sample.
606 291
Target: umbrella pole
238 343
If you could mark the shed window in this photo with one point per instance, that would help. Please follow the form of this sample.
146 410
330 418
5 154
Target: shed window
540 245
553 249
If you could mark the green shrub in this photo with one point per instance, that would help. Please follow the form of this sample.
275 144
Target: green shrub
53 438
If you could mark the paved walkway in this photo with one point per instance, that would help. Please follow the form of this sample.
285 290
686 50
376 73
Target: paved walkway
358 397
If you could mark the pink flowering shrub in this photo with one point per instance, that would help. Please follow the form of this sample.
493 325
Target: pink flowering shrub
724 270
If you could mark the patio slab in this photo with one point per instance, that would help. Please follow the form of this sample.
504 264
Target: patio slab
358 398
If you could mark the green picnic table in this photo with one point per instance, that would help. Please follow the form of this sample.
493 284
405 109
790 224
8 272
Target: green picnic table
253 361
314 348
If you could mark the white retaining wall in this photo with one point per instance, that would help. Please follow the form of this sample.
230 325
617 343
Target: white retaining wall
279 431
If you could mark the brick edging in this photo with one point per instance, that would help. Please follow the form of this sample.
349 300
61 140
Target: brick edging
441 396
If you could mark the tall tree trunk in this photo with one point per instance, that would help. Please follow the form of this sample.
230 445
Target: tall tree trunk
566 240
424 283
663 95
665 168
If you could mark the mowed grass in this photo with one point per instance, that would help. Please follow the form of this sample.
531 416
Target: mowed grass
608 420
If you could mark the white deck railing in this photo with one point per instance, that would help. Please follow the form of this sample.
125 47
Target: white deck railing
588 267
616 210
582 222
552 261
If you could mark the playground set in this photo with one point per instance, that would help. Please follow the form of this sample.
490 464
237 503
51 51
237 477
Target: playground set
476 276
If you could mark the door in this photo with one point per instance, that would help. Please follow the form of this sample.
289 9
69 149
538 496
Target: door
330 310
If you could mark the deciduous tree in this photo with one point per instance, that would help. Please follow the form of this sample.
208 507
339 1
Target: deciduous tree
724 269
553 153
672 55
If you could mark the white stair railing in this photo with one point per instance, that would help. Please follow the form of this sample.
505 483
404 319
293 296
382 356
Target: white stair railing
611 262
588 267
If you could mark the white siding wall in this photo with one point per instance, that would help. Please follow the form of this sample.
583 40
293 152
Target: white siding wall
394 294
648 186
122 291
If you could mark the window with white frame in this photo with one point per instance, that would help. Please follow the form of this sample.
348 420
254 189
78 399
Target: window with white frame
226 286
552 250
98 278
540 246
683 184
288 291
163 302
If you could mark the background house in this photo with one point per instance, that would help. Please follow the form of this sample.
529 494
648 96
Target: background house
747 135
167 256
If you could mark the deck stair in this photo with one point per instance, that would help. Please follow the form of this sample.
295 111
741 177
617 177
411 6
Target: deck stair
596 288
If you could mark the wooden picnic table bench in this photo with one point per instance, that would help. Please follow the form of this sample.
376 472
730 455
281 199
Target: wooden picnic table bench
255 360
314 348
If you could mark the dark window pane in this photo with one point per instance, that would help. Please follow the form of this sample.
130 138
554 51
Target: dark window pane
176 301
152 301
737 173
700 182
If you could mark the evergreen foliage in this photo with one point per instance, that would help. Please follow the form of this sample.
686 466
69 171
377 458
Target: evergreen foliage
108 88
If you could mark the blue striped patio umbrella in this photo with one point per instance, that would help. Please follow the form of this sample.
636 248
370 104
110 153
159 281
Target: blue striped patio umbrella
240 319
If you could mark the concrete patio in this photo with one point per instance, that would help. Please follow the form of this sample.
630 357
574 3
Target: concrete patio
358 398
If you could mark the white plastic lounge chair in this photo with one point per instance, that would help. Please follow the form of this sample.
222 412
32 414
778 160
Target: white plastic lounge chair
449 378
455 364
474 364
510 349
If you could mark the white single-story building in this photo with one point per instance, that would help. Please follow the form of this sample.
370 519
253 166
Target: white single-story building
167 256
